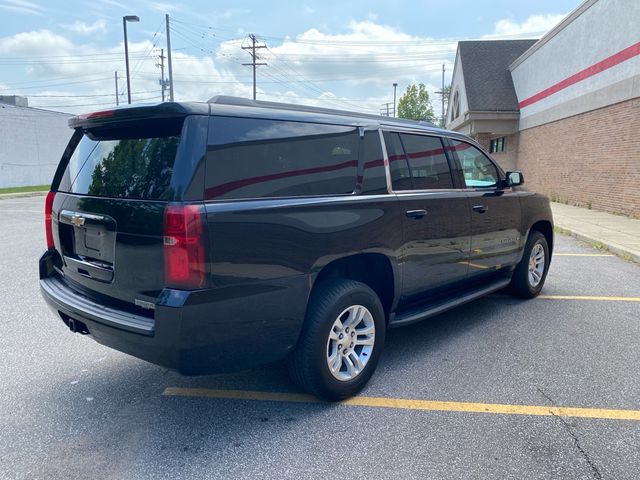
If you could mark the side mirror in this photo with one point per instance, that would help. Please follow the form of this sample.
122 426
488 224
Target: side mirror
514 179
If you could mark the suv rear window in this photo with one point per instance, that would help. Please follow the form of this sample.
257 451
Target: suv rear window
254 158
124 162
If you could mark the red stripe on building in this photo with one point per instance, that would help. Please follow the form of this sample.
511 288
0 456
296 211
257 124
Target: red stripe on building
612 61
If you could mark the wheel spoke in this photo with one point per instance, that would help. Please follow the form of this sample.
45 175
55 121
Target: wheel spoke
335 362
366 330
351 368
333 335
355 359
351 319
365 341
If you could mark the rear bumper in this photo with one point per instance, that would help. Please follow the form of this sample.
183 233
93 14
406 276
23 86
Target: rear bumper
193 332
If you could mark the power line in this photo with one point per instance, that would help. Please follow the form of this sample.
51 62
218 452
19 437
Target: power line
87 96
58 84
69 105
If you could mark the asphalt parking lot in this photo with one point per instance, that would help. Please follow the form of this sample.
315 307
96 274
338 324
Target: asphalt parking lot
500 388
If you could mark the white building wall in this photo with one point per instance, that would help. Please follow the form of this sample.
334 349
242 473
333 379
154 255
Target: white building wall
597 30
457 85
31 144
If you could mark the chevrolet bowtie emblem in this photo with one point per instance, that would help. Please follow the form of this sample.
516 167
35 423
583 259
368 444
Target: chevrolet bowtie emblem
77 220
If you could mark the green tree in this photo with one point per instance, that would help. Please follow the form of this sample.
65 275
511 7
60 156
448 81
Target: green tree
415 104
135 168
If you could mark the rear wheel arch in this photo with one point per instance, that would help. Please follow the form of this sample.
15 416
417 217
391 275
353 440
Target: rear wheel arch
373 269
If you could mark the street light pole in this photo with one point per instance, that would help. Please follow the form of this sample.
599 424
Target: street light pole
125 19
395 113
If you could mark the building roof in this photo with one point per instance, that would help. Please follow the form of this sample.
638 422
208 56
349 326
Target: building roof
487 79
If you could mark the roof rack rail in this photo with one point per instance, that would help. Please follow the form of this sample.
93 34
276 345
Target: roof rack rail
246 102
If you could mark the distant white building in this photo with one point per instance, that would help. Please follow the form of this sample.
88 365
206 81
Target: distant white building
564 109
32 141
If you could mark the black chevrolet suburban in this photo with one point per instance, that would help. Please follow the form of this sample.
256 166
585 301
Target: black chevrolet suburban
211 237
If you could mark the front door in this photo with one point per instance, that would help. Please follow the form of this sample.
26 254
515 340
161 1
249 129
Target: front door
496 238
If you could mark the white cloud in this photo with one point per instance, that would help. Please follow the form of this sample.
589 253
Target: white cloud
83 28
352 70
533 26
165 7
359 63
23 6
114 3
39 42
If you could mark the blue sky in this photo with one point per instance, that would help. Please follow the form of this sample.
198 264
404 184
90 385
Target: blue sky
333 53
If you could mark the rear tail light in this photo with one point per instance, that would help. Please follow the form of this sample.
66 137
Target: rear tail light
48 226
183 246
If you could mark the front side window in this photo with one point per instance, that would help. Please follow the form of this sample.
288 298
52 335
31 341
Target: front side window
478 170
254 158
427 161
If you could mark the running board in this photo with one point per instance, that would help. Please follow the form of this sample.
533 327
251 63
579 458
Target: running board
416 315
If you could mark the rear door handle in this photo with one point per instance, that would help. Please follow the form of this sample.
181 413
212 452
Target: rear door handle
415 213
480 208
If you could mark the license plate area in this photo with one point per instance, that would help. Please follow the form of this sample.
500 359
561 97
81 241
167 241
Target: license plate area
88 244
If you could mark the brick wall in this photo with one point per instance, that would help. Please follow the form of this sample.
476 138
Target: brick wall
508 159
484 139
590 160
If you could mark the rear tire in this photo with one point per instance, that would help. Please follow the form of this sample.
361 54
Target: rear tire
346 314
530 274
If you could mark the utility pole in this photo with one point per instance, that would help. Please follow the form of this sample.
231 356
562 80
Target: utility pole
252 51
163 82
395 85
125 19
443 114
169 59
441 92
116 79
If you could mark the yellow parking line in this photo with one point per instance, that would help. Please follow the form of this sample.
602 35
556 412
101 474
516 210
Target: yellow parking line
408 404
583 255
586 297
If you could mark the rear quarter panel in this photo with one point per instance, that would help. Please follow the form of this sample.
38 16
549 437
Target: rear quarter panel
278 246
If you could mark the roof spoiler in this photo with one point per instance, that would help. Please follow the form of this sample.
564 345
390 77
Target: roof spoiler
138 112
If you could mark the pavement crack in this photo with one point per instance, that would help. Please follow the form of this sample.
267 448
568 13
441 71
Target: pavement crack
594 468
576 441
544 394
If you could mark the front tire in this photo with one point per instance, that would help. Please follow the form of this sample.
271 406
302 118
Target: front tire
341 340
530 274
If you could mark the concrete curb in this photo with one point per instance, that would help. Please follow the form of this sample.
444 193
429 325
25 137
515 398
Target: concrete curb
23 194
612 247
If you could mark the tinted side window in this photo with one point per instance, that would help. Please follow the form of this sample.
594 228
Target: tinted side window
428 162
374 175
398 167
253 158
478 170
